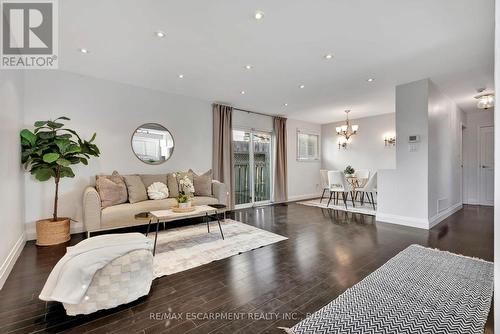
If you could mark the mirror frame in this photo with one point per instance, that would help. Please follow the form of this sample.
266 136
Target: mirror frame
132 144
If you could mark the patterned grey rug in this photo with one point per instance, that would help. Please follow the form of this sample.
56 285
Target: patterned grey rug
183 248
420 290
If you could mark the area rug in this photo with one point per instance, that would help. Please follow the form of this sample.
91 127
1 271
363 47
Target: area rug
366 208
420 290
183 248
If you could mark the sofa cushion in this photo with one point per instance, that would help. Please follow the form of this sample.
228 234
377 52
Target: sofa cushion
202 183
149 179
111 188
172 182
136 189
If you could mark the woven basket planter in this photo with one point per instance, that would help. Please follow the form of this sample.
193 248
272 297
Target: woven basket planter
50 233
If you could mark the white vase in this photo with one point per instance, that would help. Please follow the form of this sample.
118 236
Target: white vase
185 205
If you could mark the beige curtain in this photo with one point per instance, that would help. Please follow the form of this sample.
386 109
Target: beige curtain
281 171
222 153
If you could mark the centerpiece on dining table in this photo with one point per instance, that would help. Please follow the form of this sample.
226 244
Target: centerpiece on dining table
186 191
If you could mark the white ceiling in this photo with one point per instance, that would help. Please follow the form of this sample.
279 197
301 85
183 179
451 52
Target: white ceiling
211 41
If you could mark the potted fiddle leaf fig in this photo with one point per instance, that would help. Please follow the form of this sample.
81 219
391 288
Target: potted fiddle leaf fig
48 153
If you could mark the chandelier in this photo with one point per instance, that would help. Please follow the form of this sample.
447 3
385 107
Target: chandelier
485 100
347 130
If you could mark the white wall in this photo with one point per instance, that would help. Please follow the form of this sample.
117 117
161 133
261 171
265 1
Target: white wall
497 163
12 190
403 192
473 121
114 111
365 150
445 176
303 176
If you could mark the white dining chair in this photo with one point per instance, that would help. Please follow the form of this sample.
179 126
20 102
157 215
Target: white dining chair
362 175
369 189
323 174
339 185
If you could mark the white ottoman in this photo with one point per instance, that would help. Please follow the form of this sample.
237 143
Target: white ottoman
121 281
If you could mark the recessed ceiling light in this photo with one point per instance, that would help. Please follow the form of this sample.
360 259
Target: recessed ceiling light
301 86
259 15
285 104
82 50
181 76
328 56
160 34
370 79
242 92
248 67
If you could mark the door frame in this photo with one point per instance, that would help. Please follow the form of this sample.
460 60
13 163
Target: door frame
251 157
479 165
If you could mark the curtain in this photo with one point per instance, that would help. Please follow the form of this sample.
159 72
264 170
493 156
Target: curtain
281 171
222 153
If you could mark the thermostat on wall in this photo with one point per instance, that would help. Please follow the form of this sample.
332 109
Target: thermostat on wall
413 139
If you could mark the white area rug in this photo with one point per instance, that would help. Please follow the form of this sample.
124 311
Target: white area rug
366 208
191 246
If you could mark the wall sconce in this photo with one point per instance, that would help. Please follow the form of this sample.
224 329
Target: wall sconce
342 144
390 141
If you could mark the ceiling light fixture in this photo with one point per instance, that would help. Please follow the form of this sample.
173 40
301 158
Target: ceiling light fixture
347 130
259 15
370 79
301 86
485 100
328 56
160 34
181 76
82 50
285 104
242 92
248 67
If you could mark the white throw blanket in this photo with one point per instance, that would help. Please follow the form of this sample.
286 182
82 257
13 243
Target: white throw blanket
69 280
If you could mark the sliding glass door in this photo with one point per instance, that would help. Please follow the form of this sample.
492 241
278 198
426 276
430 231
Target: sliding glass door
252 167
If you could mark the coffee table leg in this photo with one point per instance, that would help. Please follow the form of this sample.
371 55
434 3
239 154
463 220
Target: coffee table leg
149 224
208 222
220 228
156 236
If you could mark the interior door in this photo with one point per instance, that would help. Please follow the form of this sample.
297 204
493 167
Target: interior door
486 165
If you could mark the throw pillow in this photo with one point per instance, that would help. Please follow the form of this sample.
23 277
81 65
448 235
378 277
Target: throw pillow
149 179
136 189
172 182
158 190
111 189
202 183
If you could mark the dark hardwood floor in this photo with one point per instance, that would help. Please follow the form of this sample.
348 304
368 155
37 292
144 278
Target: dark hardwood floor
277 285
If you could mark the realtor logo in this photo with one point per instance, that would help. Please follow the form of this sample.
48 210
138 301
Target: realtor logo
29 34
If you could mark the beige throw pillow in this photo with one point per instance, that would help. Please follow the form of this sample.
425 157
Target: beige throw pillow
136 189
202 183
149 179
173 185
111 189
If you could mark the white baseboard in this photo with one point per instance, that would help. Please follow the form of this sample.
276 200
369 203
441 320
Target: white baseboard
433 221
303 197
75 227
11 259
402 220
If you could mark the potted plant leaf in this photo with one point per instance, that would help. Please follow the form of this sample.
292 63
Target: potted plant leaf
349 171
48 153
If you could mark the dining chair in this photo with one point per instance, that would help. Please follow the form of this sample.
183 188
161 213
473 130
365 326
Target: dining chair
362 175
323 174
369 189
338 184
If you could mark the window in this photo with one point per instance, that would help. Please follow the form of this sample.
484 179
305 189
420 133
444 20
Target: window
307 146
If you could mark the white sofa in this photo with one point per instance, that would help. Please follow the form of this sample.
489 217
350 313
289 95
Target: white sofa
96 218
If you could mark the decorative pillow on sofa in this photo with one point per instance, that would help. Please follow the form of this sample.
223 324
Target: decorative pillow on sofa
149 179
158 190
136 189
111 189
172 182
202 183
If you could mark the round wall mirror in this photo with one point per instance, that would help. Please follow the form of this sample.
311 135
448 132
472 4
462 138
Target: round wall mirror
152 143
